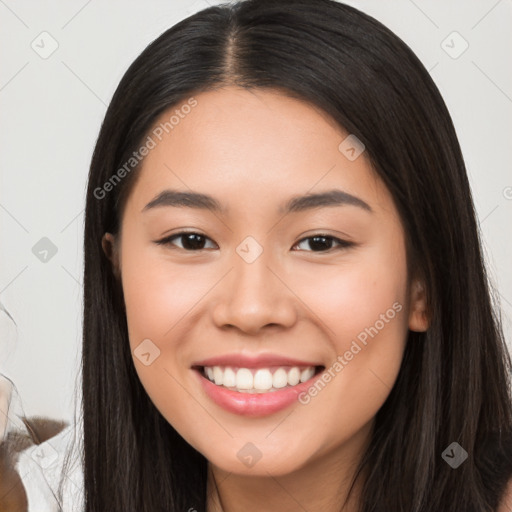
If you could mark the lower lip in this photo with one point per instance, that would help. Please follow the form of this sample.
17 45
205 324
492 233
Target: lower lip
253 404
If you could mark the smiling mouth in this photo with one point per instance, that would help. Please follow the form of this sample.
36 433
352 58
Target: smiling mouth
258 380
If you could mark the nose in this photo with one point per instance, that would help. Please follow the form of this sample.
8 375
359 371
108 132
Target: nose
253 297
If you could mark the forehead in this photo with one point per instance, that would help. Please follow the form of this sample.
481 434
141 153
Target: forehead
250 147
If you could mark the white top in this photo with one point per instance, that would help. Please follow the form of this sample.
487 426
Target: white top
42 467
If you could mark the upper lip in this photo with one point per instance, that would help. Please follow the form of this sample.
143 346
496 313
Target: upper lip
255 361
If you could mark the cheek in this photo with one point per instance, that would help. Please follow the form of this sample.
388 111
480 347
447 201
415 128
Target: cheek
158 295
160 299
361 306
350 297
362 373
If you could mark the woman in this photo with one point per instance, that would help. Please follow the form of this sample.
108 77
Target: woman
285 303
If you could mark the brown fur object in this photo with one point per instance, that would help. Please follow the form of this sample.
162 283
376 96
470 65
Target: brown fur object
12 492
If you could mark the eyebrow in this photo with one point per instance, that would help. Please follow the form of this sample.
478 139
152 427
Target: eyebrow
301 203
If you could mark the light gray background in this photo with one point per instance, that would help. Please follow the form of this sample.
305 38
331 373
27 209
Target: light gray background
52 108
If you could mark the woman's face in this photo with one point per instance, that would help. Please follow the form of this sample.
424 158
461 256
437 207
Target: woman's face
254 281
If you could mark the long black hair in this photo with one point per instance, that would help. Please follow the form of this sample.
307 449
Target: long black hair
453 385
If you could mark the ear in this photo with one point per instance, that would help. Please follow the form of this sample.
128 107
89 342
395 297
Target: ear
109 245
418 318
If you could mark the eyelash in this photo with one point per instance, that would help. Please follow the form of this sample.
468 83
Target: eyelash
342 244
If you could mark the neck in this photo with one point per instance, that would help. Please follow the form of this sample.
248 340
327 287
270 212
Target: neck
322 483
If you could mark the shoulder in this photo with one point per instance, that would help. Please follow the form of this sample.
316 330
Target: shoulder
20 438
40 467
52 472
506 501
40 459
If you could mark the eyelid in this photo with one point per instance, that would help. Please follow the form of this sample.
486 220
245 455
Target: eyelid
167 239
341 243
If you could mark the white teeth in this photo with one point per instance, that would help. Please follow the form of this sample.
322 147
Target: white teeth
280 378
258 380
262 380
307 374
218 375
294 376
243 378
229 379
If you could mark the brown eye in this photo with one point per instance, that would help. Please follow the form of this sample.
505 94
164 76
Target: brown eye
324 243
190 241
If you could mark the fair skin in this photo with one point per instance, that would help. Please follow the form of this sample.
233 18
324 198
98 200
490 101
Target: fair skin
252 151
